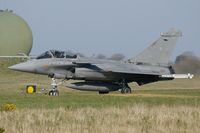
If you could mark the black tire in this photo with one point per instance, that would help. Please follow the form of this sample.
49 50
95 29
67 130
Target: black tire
126 90
103 92
50 93
54 93
122 91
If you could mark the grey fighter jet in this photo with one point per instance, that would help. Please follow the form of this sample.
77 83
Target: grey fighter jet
102 75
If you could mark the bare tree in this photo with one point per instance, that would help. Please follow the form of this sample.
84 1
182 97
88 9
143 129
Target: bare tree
101 56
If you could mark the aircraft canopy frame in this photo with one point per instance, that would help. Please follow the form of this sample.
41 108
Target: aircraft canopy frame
56 54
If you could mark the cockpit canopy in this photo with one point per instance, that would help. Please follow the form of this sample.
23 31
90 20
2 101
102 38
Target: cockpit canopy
56 54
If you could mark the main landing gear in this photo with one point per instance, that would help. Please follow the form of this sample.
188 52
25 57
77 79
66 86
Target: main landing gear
125 88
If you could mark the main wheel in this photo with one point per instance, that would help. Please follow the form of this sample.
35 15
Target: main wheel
126 90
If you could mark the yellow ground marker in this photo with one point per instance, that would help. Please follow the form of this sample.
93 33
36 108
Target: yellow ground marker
30 89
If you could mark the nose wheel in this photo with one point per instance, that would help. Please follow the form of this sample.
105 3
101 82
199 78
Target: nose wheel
54 93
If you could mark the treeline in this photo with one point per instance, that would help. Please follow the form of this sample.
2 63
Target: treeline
187 62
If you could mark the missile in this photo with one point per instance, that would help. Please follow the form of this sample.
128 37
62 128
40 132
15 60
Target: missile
178 76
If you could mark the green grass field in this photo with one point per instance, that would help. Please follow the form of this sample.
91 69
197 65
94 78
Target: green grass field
170 99
172 93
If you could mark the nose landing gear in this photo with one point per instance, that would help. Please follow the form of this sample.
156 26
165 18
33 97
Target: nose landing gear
53 89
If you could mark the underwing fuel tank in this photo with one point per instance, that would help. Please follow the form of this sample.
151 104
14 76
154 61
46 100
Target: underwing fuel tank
94 86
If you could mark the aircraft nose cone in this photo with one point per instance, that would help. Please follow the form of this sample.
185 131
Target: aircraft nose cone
24 67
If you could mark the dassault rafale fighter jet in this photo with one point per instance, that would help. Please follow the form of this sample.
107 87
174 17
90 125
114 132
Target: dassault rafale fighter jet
102 75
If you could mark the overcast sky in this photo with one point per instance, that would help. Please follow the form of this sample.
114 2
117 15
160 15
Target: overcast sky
108 26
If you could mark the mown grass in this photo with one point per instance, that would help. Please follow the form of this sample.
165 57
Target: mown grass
79 100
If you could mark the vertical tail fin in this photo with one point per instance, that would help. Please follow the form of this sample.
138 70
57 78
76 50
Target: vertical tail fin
160 51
